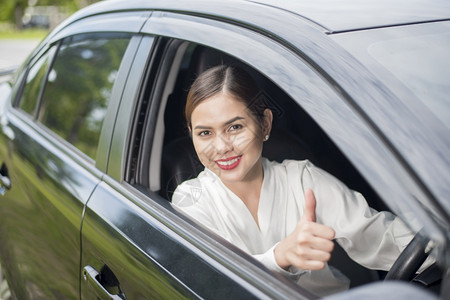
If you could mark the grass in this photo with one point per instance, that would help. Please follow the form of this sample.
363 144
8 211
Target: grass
23 34
9 31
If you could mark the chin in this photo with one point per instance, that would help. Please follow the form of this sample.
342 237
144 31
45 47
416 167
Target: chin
230 176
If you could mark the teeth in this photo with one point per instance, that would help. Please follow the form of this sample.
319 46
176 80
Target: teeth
228 162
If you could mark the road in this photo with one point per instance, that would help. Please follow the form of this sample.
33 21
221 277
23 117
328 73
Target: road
13 52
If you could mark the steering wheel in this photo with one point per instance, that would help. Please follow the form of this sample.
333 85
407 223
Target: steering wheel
410 260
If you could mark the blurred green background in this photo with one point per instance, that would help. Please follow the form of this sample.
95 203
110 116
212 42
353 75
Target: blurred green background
23 19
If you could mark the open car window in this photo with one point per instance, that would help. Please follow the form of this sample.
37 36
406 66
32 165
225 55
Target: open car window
168 158
295 135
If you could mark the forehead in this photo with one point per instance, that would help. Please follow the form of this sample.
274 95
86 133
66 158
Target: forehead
218 109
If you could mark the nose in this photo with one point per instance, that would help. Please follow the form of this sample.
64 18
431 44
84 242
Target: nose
223 144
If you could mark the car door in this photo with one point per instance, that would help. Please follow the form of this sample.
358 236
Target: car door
106 251
49 150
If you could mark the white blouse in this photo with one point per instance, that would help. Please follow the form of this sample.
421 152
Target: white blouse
373 239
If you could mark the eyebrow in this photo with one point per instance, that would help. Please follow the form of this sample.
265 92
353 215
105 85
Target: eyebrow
224 124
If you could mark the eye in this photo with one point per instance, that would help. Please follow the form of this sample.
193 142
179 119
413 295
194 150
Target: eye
204 133
235 127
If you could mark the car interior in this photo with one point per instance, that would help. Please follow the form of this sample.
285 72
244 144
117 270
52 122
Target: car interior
169 155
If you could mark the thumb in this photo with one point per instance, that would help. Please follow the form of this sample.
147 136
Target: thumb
310 206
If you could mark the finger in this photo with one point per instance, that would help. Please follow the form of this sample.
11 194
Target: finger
316 243
315 229
314 254
312 265
310 207
314 260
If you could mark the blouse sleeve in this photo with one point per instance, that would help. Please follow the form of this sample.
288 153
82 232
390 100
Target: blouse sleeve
268 260
373 239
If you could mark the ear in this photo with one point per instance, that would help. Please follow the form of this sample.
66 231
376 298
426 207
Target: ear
268 118
190 130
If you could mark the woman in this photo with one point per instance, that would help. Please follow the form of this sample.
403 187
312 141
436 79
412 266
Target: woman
285 214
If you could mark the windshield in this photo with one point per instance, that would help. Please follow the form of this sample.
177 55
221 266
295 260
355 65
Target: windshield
412 61
417 56
422 64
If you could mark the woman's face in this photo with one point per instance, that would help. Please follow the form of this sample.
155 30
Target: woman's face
227 139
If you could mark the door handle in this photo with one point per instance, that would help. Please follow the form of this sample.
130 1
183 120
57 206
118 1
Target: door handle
5 182
93 277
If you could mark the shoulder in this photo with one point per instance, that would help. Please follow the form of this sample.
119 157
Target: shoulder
188 192
185 193
301 174
289 166
191 191
190 198
296 174
307 170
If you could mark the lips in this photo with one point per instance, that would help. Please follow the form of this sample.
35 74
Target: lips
229 163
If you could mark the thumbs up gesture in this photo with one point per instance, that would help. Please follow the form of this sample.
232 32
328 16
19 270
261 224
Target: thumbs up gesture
310 207
309 246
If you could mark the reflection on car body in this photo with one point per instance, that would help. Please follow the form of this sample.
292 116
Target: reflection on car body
93 140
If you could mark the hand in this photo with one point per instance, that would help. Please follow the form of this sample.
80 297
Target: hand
309 246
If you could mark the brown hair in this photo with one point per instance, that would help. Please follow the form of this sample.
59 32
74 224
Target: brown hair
231 79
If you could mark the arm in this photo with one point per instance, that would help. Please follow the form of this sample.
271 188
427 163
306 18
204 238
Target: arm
373 239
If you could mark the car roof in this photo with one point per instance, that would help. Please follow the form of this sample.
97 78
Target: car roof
330 15
350 15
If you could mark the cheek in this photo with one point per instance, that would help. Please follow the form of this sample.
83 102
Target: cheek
240 140
246 141
203 149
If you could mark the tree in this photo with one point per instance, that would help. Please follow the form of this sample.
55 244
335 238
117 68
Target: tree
12 11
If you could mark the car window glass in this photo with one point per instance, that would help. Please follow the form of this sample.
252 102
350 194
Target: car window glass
34 82
79 88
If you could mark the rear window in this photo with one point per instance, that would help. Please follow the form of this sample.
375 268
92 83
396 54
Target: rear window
79 88
35 81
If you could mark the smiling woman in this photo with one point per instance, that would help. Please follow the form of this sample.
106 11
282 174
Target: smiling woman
269 209
228 124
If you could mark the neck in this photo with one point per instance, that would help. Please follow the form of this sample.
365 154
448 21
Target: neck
249 192
248 189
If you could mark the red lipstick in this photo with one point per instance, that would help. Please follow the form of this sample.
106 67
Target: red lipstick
229 163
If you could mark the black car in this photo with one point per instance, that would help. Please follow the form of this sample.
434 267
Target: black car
93 142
